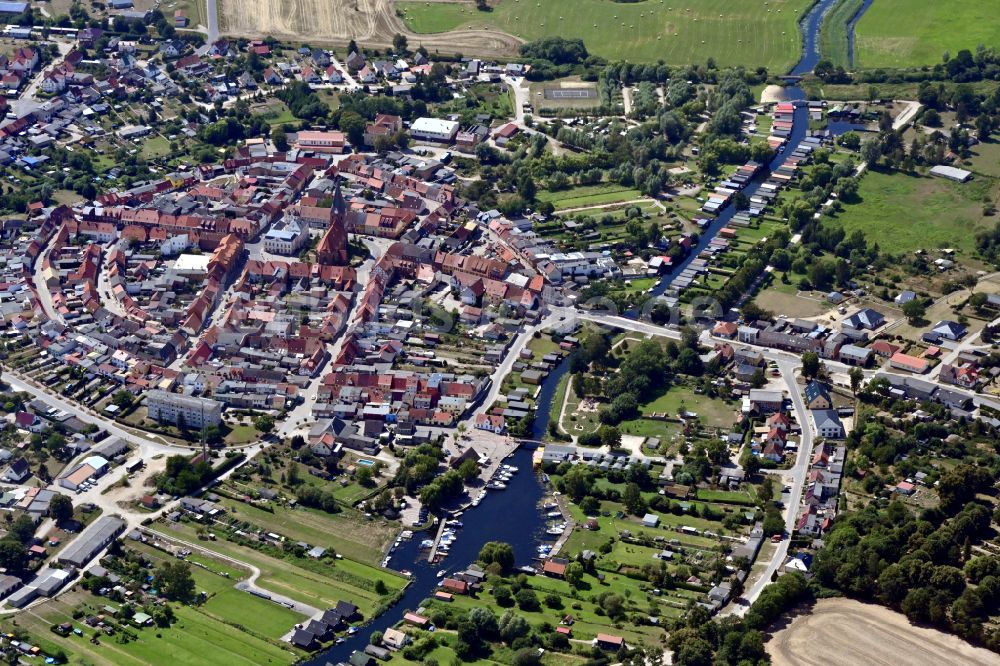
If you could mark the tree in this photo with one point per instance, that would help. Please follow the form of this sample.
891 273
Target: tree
399 44
212 434
526 657
469 469
503 596
364 476
497 552
512 626
810 365
527 600
978 301
122 399
857 376
871 151
633 500
22 529
279 138
766 491
264 423
60 508
610 436
773 523
13 554
176 582
574 573
914 311
375 638
353 125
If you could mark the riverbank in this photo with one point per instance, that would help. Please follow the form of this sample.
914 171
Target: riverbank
844 632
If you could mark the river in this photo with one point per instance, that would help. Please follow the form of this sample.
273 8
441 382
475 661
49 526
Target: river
513 515
851 26
810 56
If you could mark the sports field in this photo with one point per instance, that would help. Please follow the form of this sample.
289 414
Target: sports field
904 213
749 33
908 33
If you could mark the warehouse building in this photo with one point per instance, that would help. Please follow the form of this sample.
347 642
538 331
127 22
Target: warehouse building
91 541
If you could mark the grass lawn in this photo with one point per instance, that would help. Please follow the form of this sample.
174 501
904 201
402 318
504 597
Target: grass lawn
542 346
731 497
316 588
784 298
986 159
242 434
908 33
589 195
228 604
711 412
194 635
347 532
155 146
833 34
904 212
733 33
275 112
587 622
195 10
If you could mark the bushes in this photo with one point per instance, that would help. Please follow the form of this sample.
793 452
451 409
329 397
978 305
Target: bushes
556 50
775 599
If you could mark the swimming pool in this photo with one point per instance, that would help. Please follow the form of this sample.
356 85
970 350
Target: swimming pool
366 463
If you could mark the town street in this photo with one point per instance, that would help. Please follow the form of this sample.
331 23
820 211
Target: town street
798 473
513 353
42 287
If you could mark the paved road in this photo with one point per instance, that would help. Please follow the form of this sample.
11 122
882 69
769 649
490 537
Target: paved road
904 118
301 415
798 473
42 288
27 103
513 354
104 290
148 447
212 10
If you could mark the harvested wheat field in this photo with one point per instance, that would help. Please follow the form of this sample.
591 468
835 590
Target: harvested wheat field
842 632
370 22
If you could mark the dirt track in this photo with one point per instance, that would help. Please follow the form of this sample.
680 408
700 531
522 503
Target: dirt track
370 22
841 632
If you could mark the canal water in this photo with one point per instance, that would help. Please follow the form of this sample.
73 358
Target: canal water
792 93
513 515
851 25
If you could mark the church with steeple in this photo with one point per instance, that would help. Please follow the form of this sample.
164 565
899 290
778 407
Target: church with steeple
332 249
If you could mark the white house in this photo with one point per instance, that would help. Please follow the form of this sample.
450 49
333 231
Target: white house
286 237
434 129
828 424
